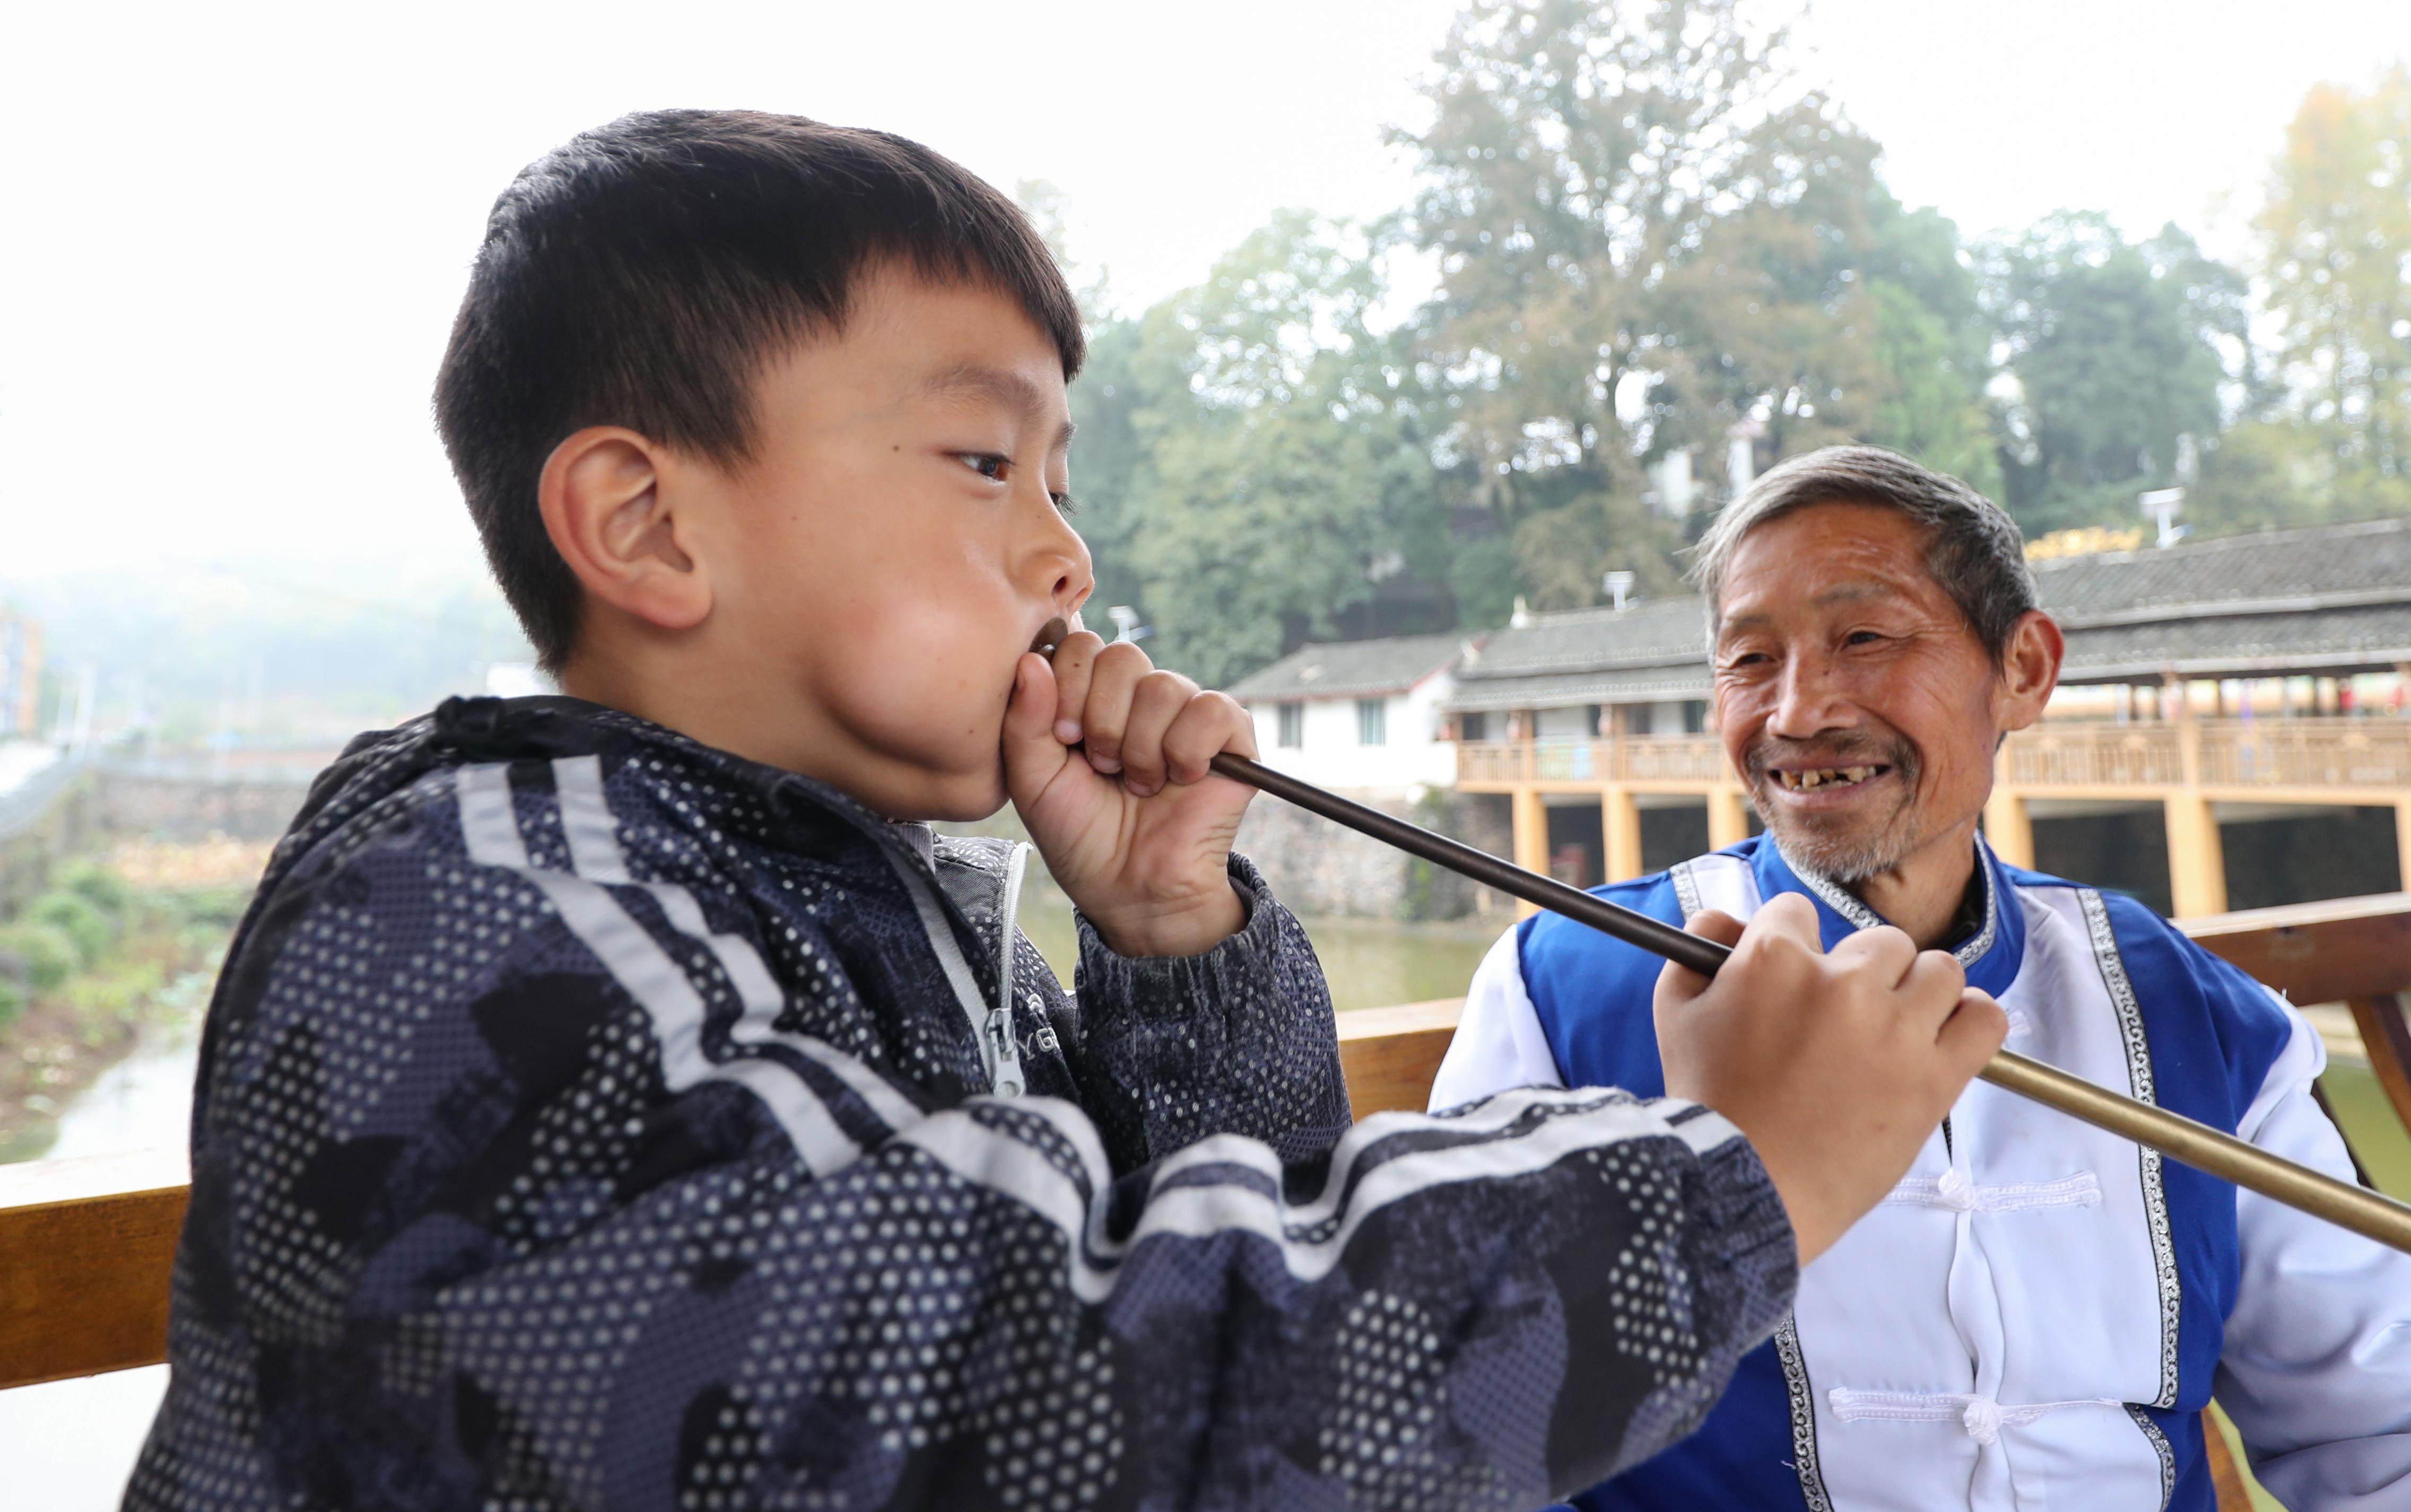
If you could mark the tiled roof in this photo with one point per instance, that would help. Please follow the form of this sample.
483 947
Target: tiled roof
1350 669
1623 685
2326 640
1585 640
2331 599
2272 571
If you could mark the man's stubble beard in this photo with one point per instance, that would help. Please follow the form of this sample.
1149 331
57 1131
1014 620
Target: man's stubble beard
1868 849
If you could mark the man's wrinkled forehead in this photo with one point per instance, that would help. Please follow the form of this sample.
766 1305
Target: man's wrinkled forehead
1856 555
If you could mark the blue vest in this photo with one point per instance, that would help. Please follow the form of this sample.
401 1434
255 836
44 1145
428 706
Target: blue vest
2193 1034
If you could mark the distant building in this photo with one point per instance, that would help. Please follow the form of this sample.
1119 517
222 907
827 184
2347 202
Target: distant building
20 675
2230 728
1362 715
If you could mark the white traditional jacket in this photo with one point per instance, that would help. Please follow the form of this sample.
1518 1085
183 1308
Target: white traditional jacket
2035 1316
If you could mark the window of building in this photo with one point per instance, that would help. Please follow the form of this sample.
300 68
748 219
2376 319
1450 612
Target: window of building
1590 720
1636 719
1372 721
1695 716
1473 727
1293 725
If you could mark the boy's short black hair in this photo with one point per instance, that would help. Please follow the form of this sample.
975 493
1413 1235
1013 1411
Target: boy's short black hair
642 273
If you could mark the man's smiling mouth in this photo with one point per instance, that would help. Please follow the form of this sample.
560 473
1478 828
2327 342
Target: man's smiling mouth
1817 778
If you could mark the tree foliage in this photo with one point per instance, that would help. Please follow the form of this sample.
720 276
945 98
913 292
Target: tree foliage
1269 454
2336 254
2116 352
1650 237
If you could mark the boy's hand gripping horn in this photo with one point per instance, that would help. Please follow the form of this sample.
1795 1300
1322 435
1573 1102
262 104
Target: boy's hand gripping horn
2364 1212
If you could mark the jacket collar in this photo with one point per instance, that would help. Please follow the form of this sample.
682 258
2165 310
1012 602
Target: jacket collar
1991 953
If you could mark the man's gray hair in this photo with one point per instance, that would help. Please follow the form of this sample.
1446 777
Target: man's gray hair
1972 547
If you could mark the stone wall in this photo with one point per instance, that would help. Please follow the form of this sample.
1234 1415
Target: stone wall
64 825
1316 867
130 804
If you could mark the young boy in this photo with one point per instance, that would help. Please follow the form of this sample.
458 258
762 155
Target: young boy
620 1099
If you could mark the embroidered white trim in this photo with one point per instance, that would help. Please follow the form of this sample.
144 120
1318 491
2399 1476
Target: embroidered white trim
2140 1085
2160 1443
1841 901
1687 890
1955 1192
1981 1417
1804 1418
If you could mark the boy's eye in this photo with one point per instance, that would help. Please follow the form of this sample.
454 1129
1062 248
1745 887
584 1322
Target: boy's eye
1065 502
994 465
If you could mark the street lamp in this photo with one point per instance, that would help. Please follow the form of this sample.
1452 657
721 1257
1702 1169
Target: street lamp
2163 504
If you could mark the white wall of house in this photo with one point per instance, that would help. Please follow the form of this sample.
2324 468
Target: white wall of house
1412 755
1569 723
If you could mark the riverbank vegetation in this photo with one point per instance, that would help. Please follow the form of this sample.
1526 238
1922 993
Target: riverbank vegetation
116 946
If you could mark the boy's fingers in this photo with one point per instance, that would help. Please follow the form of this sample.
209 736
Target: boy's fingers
1111 683
1679 983
1075 659
1974 1030
1787 916
1208 725
1032 755
1886 950
1715 924
1155 704
1933 986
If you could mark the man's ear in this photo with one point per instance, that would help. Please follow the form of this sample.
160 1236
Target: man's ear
2030 670
606 509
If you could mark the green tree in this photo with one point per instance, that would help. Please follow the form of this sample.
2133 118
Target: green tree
2335 251
1649 233
2119 351
1578 155
1280 455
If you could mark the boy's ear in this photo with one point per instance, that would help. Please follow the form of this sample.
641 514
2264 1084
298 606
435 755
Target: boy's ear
609 518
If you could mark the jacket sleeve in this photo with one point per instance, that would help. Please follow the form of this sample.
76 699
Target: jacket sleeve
1240 1039
547 1213
2317 1368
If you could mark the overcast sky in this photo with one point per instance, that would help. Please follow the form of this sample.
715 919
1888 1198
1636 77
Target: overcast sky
233 236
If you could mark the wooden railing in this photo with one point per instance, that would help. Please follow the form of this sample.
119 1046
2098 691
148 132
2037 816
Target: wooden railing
85 1244
2305 755
2094 756
1645 759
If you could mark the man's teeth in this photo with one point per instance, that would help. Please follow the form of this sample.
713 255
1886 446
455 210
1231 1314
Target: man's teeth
1826 777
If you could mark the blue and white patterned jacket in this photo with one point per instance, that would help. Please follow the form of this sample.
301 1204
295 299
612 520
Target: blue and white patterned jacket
588 1118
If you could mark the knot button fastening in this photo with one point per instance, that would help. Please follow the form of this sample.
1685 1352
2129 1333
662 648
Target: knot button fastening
1957 1192
1982 1420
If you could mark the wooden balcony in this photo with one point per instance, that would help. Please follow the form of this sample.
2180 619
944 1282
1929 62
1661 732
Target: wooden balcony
2304 760
1674 762
85 1244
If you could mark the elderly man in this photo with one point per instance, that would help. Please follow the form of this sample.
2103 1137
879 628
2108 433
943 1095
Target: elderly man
2036 1314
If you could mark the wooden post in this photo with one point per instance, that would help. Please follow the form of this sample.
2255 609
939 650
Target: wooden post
1530 817
1619 823
1729 817
2197 862
2008 829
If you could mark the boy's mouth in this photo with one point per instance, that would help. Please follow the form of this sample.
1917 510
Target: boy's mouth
1051 635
